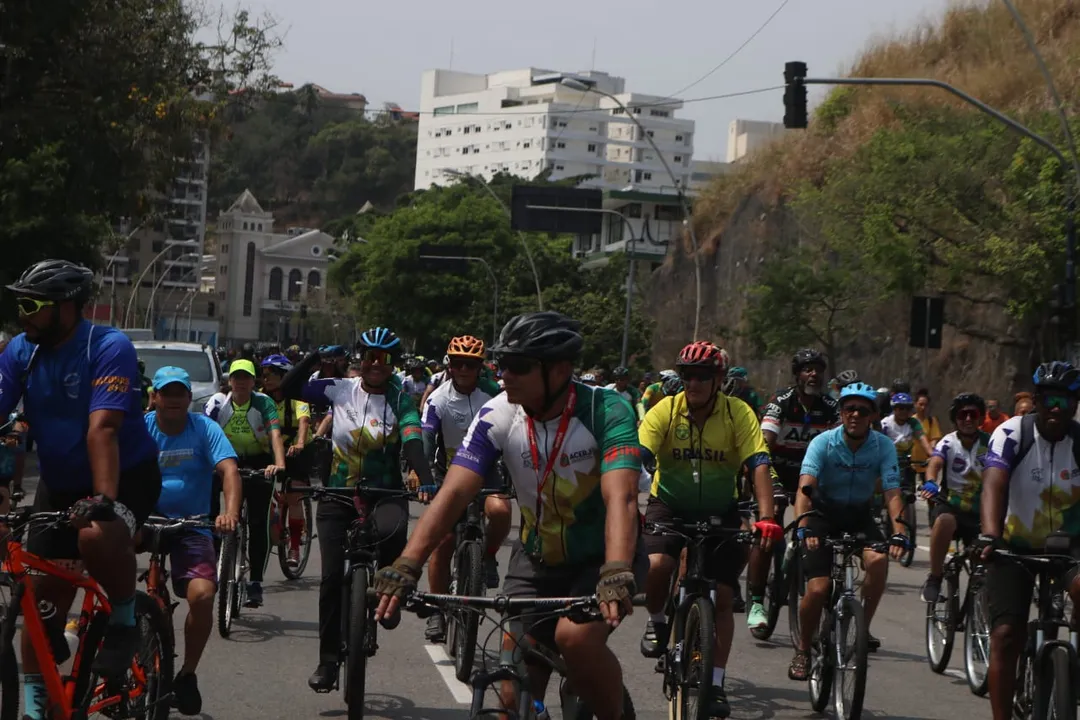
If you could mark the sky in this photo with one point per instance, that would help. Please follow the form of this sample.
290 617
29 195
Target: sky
380 49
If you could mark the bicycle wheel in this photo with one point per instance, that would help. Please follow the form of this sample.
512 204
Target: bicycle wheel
977 640
699 633
469 577
795 590
10 689
941 625
240 569
775 594
1056 688
851 640
289 570
226 599
356 661
822 661
911 530
154 659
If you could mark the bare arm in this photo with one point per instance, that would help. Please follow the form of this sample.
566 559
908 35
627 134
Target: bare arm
103 448
278 446
233 488
619 488
302 428
992 505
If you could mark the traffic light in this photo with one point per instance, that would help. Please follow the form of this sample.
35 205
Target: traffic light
795 114
1061 311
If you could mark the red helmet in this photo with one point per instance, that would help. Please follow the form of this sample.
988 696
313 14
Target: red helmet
702 354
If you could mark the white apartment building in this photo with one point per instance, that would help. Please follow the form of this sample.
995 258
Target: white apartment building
506 122
746 136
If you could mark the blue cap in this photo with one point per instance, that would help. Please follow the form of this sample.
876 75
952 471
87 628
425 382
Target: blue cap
170 374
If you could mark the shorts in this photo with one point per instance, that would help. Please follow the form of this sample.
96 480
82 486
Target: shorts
140 486
726 559
191 557
1009 588
526 577
855 520
968 524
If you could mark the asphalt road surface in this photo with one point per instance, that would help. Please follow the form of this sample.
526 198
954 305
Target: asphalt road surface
261 671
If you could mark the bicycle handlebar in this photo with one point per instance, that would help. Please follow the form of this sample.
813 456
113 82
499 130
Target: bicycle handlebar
713 527
165 524
579 609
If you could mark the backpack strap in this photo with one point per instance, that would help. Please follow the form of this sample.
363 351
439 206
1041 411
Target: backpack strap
1074 433
1027 438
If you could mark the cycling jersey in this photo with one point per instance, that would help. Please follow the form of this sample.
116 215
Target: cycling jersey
697 469
631 395
850 478
653 394
447 417
290 416
962 470
438 378
96 369
1044 484
247 426
600 437
414 388
903 436
187 463
795 426
368 430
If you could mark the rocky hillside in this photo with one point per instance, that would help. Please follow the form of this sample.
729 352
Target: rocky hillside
823 238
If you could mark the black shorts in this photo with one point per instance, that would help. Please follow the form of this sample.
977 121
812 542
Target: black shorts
726 559
968 524
140 486
1009 587
818 563
526 577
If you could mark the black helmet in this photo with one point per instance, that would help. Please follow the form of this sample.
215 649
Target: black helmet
966 399
620 372
806 356
413 364
56 280
1057 375
847 377
900 386
247 351
545 335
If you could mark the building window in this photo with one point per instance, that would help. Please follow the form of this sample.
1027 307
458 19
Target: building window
245 225
444 110
313 280
476 150
275 283
249 279
591 147
157 246
222 269
468 107
617 111
466 130
637 111
647 176
559 167
449 132
296 281
526 145
659 113
260 227
210 308
678 158
649 133
560 144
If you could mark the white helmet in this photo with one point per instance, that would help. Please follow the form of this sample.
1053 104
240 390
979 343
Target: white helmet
588 378
668 374
445 360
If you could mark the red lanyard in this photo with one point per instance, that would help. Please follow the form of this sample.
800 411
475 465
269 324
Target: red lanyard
560 435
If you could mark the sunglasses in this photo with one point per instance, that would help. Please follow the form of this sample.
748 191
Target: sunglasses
698 374
1058 402
382 357
464 364
968 414
856 409
517 364
29 305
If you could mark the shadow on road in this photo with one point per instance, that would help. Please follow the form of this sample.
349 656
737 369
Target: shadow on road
753 702
258 627
381 705
307 582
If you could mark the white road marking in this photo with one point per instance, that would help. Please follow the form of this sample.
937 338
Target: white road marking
462 693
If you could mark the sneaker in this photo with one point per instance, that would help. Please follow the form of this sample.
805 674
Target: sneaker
324 678
186 697
254 595
294 557
436 628
756 618
491 572
931 589
718 704
654 641
117 651
872 643
799 669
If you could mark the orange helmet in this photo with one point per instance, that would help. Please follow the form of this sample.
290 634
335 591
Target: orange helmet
466 346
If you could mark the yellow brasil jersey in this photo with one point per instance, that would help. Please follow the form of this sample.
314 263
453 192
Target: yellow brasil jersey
697 469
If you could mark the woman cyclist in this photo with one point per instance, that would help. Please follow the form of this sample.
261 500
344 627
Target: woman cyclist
251 423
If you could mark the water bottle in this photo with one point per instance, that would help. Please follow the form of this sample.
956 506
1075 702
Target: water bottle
541 711
55 630
71 635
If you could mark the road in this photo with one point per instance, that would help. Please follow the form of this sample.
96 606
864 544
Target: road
261 671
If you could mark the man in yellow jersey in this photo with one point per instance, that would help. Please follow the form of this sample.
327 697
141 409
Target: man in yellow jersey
700 439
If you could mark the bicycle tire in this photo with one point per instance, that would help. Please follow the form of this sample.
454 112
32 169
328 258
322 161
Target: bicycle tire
1059 695
91 641
976 625
469 568
852 611
226 584
356 660
819 680
290 572
774 594
240 569
795 583
10 689
911 518
699 633
947 627
152 619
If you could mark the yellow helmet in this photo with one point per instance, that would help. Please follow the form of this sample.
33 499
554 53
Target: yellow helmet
466 346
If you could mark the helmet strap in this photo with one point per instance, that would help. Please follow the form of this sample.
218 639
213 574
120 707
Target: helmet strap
549 396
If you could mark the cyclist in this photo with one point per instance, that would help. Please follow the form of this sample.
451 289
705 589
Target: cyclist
12 459
190 448
696 478
840 471
655 393
572 455
447 416
1039 451
791 419
251 423
415 381
375 422
955 467
906 432
80 387
295 418
622 385
738 385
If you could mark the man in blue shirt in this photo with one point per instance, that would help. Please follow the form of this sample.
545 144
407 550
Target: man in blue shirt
80 387
191 447
838 477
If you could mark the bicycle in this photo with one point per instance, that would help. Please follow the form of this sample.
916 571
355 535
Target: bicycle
947 614
281 533
908 516
1045 678
519 651
777 591
687 664
467 578
358 626
80 694
830 651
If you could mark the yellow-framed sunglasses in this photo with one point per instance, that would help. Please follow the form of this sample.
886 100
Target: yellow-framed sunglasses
29 305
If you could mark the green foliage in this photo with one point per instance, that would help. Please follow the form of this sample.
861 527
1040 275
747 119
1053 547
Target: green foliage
428 305
837 105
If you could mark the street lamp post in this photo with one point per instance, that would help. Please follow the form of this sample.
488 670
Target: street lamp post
138 281
521 235
153 292
494 283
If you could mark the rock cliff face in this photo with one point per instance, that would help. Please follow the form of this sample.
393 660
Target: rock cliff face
983 349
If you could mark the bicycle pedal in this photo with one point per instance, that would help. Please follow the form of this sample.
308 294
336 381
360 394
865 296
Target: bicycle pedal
661 665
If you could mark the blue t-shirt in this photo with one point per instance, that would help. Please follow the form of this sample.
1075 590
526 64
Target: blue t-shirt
96 369
187 464
846 478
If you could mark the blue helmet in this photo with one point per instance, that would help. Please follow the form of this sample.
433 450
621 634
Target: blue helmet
1058 375
860 390
380 338
901 399
278 362
333 351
